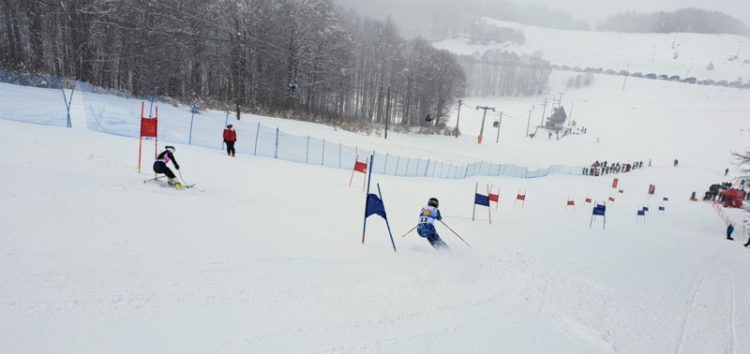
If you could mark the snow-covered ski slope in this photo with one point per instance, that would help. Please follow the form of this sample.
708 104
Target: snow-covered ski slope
642 52
264 256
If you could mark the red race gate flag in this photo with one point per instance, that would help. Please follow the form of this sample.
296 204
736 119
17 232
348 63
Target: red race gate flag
571 203
522 198
614 183
149 129
588 201
359 167
494 197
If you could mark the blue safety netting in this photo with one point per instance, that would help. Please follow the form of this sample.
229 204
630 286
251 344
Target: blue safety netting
121 116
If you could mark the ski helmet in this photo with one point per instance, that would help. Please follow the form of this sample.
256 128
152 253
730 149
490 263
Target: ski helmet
169 148
229 126
433 202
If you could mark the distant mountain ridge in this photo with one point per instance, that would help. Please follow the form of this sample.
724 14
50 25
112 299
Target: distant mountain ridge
690 20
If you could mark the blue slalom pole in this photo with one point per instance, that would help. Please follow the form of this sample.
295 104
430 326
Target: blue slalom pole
151 106
276 148
307 150
70 102
386 219
192 116
67 100
369 177
323 154
257 133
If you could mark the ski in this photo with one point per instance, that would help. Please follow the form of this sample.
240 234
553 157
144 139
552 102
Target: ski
154 179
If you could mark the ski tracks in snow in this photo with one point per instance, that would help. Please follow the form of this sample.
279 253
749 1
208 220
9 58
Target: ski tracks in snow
711 316
733 319
686 319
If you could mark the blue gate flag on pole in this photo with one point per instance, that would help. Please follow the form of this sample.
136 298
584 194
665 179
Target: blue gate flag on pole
481 199
645 209
665 199
641 212
375 206
661 208
599 210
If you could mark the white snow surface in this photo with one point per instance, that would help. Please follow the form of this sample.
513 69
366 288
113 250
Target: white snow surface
264 256
641 52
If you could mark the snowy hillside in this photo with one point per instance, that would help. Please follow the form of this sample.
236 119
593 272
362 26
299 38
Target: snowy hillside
642 52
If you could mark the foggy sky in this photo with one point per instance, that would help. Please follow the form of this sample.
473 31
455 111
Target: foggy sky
590 11
596 10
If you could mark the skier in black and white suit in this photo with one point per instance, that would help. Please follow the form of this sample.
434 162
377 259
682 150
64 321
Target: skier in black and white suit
160 165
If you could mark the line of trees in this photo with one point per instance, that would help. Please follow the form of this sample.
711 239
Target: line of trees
481 32
503 73
690 20
280 57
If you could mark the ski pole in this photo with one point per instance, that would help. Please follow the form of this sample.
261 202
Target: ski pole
455 233
183 180
408 232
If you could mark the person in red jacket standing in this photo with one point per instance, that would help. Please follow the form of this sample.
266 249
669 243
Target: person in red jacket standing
230 137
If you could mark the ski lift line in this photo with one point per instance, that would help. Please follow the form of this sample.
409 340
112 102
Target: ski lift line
504 114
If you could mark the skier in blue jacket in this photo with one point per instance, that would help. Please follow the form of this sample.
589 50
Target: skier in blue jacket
426 226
